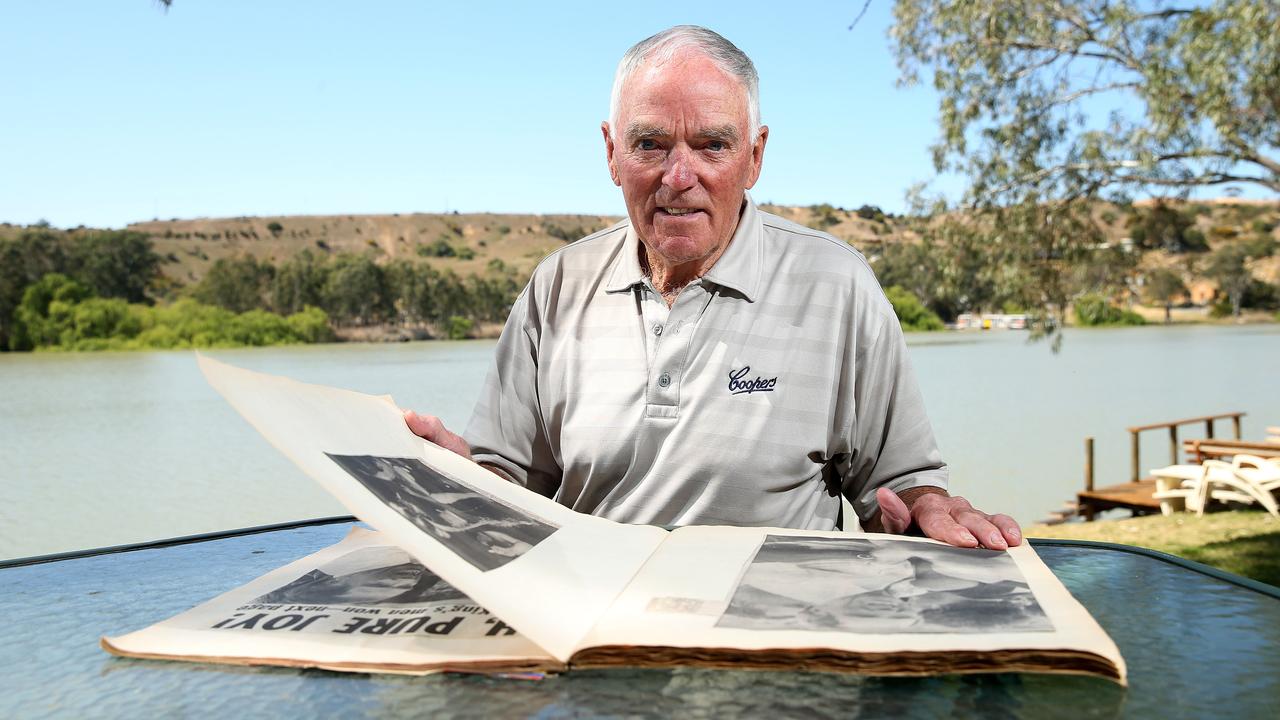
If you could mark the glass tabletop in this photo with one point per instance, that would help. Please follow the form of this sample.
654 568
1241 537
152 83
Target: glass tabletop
1195 643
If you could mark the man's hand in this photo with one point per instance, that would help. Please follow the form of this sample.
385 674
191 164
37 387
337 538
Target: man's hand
942 517
429 427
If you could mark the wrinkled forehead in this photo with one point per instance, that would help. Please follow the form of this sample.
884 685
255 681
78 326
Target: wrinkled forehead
685 80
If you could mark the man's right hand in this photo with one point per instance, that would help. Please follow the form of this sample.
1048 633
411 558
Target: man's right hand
429 427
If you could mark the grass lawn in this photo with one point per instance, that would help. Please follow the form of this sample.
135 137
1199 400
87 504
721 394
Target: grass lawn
1241 541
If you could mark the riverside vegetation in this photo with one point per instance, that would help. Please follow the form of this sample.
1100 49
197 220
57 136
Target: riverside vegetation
262 281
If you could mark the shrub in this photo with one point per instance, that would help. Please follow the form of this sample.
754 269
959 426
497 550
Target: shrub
1260 246
871 212
824 216
1095 310
458 327
1193 241
441 248
912 314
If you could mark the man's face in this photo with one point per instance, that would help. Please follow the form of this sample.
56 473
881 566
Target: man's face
682 157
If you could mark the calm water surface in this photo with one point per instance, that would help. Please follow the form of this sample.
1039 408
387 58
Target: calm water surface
107 448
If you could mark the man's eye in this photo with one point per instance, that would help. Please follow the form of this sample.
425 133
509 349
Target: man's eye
647 145
717 146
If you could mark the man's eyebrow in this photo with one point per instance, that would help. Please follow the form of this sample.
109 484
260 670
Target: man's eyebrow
725 133
641 131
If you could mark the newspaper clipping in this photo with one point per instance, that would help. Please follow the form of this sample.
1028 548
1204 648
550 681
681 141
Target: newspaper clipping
874 586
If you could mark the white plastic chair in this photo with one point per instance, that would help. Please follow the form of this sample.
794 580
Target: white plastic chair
1182 487
1246 479
1262 472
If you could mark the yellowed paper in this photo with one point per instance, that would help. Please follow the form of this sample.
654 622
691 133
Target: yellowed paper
544 569
360 604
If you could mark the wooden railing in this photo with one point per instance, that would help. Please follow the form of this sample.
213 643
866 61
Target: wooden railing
1174 446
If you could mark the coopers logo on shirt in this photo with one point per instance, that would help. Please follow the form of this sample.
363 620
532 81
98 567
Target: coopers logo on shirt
739 383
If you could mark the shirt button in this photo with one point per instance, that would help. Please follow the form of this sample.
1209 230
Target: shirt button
664 380
657 329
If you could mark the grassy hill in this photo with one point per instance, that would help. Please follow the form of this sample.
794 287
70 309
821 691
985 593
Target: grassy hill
477 244
465 243
469 242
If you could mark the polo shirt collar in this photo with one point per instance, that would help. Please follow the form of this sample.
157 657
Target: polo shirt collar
738 268
626 272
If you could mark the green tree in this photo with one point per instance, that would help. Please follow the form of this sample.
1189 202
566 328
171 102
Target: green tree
115 264
912 315
1047 106
299 283
237 284
1161 287
1044 99
24 259
412 284
1227 266
1163 227
45 314
356 290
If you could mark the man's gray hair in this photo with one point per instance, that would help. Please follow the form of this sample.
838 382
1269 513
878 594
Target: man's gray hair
663 46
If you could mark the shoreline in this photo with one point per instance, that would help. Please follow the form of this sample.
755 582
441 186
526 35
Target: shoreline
396 333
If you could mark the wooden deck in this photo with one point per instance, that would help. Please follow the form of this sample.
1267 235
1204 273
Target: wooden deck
1135 496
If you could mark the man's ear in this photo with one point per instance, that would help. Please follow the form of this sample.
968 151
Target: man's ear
757 155
608 153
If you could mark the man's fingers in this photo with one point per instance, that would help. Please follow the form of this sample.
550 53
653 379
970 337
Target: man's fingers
894 515
940 525
1009 527
430 428
983 529
937 517
954 521
427 427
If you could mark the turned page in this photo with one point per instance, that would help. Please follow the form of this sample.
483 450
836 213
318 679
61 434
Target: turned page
546 570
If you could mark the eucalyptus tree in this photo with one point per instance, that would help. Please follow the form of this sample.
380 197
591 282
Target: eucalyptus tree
1052 99
1046 106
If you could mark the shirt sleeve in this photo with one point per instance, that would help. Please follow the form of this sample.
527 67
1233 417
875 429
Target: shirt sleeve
507 431
890 440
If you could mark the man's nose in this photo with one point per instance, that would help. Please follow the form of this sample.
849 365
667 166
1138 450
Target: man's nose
680 174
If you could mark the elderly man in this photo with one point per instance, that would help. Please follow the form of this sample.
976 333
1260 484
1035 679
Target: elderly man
703 362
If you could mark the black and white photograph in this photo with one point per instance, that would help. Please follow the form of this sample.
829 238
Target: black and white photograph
369 576
881 586
479 528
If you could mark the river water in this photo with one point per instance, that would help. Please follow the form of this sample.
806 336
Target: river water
100 449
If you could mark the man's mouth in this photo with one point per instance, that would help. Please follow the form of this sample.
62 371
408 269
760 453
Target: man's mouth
679 211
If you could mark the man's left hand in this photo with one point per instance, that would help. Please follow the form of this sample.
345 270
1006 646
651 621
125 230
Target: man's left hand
943 517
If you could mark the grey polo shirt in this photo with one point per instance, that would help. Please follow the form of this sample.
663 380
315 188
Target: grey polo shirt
774 383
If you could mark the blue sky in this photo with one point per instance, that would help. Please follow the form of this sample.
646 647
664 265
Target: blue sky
115 111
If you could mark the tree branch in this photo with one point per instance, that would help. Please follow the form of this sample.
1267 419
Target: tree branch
862 12
1204 178
1073 51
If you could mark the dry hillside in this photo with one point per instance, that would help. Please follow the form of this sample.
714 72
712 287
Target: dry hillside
472 243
